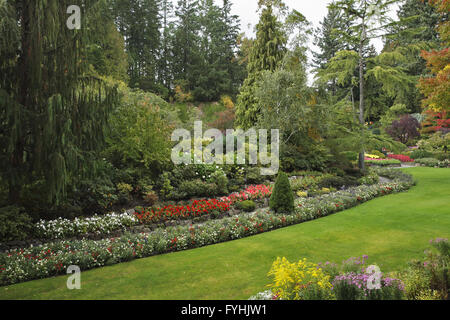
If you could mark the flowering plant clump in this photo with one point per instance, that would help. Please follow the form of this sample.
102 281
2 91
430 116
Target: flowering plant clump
302 280
372 156
429 279
400 157
65 228
251 193
354 286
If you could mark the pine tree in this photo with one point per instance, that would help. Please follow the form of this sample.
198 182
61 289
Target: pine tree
164 68
139 23
52 110
266 53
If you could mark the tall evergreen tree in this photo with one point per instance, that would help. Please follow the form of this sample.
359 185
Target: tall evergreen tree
52 111
415 31
165 56
186 38
266 53
139 22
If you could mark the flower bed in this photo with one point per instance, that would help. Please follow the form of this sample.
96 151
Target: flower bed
400 157
383 162
53 258
304 280
106 224
64 228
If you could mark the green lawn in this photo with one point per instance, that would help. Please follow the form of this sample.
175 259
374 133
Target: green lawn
391 230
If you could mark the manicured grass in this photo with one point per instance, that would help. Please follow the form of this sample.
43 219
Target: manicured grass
392 230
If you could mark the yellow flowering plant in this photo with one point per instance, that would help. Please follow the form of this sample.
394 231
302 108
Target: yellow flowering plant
300 280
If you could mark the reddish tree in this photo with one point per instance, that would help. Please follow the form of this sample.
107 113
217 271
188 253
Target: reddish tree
404 129
435 87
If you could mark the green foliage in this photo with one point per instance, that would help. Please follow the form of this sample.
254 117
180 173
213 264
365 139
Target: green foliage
370 178
247 205
53 109
15 224
384 163
282 199
429 162
266 53
429 279
438 142
420 154
139 134
197 188
166 187
392 114
337 182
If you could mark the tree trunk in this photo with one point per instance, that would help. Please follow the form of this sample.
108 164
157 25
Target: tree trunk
361 163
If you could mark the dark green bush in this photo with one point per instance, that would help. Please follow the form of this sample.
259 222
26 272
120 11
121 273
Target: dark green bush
247 205
287 164
15 224
420 154
197 188
337 182
350 155
429 162
254 176
441 156
336 171
282 199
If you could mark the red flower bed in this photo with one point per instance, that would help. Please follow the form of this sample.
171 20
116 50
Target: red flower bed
200 208
400 157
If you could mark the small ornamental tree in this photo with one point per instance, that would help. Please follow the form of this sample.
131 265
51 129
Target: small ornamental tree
282 199
404 129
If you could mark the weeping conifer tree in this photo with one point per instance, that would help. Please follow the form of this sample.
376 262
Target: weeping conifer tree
53 111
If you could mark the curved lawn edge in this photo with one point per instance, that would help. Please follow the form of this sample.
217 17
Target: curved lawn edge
391 230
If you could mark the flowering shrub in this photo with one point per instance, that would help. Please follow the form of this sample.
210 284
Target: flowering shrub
302 280
64 228
431 162
400 157
308 281
430 279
